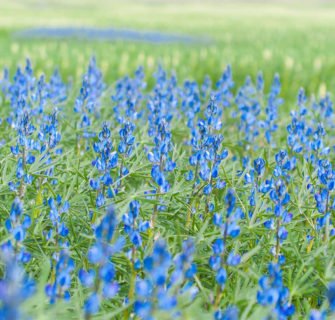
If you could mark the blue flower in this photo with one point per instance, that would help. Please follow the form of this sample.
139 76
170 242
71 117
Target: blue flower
273 293
103 270
62 274
331 296
249 108
127 96
17 225
231 313
259 165
317 315
271 110
106 160
57 210
224 87
157 291
185 268
15 287
88 101
133 226
92 304
228 224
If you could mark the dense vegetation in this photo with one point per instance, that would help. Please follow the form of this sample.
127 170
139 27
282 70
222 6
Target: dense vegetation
178 201
149 179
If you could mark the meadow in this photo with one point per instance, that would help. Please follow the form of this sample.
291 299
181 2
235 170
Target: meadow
178 180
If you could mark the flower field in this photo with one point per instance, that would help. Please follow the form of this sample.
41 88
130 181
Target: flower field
127 201
159 175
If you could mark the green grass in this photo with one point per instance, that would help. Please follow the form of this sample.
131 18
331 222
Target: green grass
296 40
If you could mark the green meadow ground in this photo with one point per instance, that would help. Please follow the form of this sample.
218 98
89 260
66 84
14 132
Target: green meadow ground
296 40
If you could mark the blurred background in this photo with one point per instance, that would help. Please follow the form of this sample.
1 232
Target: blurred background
193 38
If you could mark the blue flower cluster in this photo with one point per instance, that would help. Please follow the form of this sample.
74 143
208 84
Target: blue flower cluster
100 278
273 293
15 287
207 153
158 291
106 160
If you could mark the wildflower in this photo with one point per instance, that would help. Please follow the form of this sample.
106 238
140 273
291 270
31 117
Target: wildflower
152 292
57 210
133 225
106 160
128 96
62 275
17 225
331 296
100 279
231 313
317 315
220 258
273 293
249 108
15 287
271 110
224 87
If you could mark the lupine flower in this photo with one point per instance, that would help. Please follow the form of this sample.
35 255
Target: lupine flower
249 107
133 225
185 269
324 113
49 137
5 82
100 279
221 258
106 160
161 107
331 296
224 87
128 97
152 292
323 196
57 89
160 156
317 315
64 267
20 89
125 147
90 92
271 110
163 101
57 210
280 197
23 150
28 99
191 103
306 134
273 293
231 313
298 131
15 288
253 177
207 153
228 224
88 100
206 87
17 225
108 34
